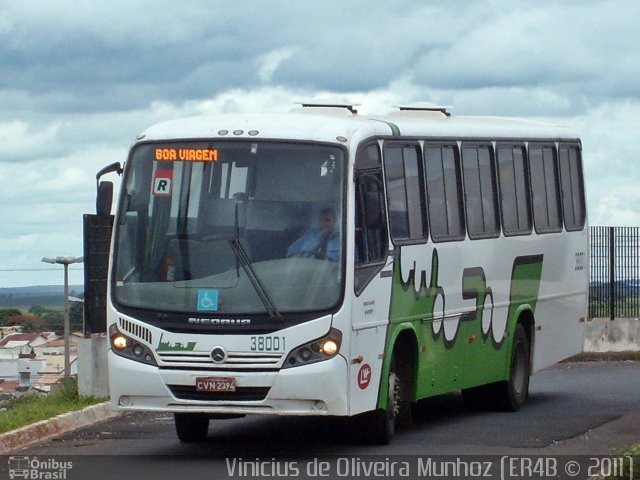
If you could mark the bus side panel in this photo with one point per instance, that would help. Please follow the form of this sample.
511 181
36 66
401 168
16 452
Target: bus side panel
561 333
368 336
562 305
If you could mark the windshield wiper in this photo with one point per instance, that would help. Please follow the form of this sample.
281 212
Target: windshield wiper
245 263
247 266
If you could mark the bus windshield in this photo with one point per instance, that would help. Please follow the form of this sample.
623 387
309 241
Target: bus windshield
234 227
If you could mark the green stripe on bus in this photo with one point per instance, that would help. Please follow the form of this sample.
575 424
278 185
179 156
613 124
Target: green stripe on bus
395 130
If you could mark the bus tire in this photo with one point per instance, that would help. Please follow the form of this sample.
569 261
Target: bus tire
376 427
191 427
511 394
380 425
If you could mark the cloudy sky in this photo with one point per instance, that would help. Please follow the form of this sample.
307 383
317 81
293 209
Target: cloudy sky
79 80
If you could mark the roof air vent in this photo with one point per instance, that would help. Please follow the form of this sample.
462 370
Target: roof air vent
351 107
424 107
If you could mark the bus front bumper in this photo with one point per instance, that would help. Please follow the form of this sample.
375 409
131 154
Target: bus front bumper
317 389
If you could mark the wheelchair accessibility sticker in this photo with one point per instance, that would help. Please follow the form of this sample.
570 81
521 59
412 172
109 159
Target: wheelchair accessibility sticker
207 300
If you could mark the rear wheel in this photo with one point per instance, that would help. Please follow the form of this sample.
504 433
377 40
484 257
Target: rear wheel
191 427
511 394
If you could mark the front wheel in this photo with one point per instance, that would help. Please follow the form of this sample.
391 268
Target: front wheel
380 425
191 427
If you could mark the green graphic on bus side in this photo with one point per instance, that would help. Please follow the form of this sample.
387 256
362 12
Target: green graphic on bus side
460 351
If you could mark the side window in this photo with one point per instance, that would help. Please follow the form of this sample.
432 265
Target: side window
444 192
403 173
513 181
371 239
480 191
370 224
371 235
545 188
572 187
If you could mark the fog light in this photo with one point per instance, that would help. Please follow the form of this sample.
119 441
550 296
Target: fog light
119 342
329 347
124 401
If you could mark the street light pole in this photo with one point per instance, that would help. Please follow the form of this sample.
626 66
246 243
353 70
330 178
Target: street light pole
65 262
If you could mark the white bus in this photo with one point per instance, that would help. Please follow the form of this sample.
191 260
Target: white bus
321 262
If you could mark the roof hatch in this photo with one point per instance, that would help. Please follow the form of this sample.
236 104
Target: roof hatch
425 107
348 106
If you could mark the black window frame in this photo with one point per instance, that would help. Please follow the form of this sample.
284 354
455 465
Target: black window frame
572 227
367 169
542 145
527 194
494 190
440 144
421 206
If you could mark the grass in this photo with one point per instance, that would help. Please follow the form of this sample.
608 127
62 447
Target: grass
31 408
628 473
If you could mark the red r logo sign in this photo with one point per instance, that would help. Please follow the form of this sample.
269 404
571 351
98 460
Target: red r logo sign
364 376
162 180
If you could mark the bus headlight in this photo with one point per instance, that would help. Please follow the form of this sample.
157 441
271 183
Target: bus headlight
127 347
329 347
119 342
321 349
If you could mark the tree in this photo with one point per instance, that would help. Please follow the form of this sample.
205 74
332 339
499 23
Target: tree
6 313
37 310
29 323
53 321
76 316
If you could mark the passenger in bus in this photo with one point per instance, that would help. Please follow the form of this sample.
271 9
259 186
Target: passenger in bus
322 242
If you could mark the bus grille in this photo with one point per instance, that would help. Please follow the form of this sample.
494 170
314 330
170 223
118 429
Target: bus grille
135 330
242 394
235 360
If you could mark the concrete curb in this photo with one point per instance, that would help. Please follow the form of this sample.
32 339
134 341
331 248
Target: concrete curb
57 425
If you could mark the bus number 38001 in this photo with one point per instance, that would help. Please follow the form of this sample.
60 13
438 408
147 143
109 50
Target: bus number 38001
264 343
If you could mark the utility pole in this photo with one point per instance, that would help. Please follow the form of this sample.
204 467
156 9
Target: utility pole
65 262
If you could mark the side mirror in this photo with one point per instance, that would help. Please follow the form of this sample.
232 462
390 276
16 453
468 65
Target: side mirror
114 167
104 194
104 199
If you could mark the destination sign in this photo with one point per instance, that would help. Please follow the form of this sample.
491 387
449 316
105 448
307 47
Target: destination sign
187 154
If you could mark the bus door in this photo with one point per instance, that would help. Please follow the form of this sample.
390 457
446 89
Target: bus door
372 282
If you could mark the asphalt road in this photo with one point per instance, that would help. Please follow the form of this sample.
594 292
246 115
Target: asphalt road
574 409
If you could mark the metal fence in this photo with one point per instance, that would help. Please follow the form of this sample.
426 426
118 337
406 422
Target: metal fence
614 283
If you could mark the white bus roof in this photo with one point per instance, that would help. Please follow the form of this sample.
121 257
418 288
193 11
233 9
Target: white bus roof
337 124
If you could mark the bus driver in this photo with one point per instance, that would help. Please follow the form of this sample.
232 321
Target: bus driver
322 242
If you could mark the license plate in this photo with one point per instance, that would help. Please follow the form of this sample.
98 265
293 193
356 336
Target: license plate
215 384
